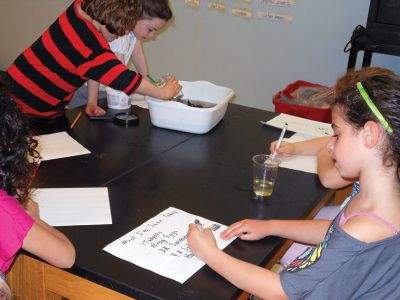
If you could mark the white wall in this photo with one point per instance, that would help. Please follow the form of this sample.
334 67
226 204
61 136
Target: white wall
256 58
22 22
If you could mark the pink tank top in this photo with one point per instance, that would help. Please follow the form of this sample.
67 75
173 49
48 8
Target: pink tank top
343 220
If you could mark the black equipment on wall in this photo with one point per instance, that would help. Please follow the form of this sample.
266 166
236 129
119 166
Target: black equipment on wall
381 35
383 22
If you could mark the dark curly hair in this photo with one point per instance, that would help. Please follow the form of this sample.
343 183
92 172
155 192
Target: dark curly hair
118 16
384 90
18 157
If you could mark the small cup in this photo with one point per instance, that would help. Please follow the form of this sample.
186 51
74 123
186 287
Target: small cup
265 171
117 99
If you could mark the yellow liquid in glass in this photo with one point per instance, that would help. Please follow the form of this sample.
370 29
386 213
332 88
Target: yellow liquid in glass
262 188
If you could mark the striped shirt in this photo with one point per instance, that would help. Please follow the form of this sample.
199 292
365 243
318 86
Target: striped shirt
45 76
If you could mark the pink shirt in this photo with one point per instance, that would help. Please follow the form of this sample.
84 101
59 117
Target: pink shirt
14 226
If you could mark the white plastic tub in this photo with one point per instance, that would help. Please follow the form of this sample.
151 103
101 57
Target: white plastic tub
178 116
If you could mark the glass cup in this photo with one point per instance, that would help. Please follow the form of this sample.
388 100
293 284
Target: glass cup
265 171
161 83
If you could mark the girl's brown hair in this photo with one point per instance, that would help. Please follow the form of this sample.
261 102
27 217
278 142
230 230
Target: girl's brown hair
156 9
383 87
118 16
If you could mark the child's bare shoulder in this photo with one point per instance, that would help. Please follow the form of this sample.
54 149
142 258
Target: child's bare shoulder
367 229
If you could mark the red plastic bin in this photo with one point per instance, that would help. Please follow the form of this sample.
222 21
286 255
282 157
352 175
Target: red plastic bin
307 112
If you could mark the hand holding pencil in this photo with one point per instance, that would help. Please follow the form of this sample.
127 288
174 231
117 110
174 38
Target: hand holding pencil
201 242
279 142
285 149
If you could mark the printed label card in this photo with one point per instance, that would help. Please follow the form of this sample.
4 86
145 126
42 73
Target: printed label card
285 3
244 1
242 12
274 17
217 5
193 3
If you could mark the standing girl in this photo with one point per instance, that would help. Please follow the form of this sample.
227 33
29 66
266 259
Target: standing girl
20 224
128 48
356 256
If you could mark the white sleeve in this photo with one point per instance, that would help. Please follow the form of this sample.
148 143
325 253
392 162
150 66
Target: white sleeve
124 45
121 45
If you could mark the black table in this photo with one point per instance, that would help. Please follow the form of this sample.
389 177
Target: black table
149 169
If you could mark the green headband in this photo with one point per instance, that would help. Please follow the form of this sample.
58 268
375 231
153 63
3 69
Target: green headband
374 109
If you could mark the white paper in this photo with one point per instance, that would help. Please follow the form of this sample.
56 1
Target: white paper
160 244
74 206
59 145
301 125
305 163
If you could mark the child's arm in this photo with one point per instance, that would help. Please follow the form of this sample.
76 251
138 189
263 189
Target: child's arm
167 92
253 279
310 232
170 89
138 59
47 242
327 172
92 108
308 147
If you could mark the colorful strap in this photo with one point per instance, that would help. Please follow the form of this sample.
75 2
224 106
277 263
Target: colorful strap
374 109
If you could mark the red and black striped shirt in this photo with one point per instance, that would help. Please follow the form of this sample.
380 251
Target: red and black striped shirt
45 76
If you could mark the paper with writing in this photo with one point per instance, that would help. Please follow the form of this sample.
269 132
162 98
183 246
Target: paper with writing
160 244
301 125
59 145
73 206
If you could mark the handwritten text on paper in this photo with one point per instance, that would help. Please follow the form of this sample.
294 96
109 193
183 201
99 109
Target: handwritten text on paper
160 244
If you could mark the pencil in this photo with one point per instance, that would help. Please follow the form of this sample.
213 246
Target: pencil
76 120
278 144
198 224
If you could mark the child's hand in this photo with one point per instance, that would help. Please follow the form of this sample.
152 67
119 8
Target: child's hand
171 88
246 230
93 110
286 149
32 208
202 242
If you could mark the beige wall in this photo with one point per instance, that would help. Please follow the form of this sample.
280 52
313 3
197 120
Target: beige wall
22 21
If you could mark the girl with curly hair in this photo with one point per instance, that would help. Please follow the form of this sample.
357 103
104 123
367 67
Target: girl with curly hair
20 224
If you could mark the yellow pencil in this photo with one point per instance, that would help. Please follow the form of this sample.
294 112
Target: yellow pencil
76 120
